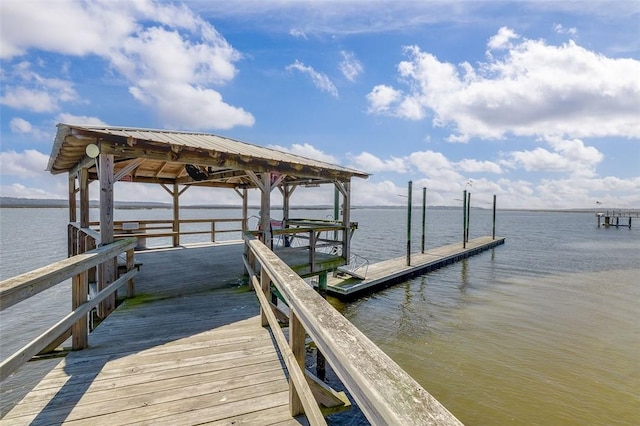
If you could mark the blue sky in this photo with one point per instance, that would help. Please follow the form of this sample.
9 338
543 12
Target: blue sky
536 102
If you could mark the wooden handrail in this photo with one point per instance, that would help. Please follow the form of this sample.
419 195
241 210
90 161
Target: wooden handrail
385 393
163 228
24 354
22 287
296 373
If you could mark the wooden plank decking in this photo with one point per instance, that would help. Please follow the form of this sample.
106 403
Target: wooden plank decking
390 271
182 352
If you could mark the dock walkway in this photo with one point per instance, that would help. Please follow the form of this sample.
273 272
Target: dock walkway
182 352
391 271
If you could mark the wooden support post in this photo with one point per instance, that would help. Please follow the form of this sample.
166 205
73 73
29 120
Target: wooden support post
286 210
297 337
336 209
176 215
321 370
72 197
107 270
629 222
79 295
265 284
468 214
409 223
464 219
131 289
213 231
312 251
245 210
265 210
424 217
493 232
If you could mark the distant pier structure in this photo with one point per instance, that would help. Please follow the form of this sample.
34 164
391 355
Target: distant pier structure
612 217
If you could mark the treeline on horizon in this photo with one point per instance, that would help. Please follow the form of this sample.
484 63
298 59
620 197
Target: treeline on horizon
13 202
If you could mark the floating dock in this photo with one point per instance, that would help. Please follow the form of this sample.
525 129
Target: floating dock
612 218
388 272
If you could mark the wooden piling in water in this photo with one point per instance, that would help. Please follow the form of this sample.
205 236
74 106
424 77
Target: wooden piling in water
464 219
468 214
424 217
409 224
493 232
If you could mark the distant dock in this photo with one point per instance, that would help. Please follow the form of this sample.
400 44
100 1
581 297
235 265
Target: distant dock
391 271
608 217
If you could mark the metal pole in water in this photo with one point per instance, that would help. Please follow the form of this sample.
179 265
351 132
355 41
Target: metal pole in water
493 233
464 219
468 213
424 215
409 224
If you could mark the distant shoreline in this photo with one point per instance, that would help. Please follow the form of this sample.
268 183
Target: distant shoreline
17 203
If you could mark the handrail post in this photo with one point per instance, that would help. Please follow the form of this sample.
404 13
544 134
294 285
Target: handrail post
79 295
131 290
213 231
297 343
265 284
312 251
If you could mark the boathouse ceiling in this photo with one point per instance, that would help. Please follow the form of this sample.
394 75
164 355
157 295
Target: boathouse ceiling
186 158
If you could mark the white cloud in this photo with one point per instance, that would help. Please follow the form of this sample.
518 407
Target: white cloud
20 125
297 33
320 80
383 98
475 166
350 66
560 29
24 128
19 190
532 89
370 163
308 151
28 90
79 119
502 40
28 164
170 57
567 156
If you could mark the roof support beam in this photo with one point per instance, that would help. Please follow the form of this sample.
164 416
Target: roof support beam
107 270
127 169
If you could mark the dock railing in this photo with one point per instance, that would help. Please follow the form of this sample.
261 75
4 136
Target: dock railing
385 393
161 228
22 287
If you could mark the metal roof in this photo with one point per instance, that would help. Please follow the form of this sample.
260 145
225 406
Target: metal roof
162 154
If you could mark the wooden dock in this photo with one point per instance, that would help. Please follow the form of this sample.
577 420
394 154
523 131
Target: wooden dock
391 271
192 348
181 352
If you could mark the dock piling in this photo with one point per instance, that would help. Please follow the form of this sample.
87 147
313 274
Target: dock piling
493 232
424 217
464 219
409 224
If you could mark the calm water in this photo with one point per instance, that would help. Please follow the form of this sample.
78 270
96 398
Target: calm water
544 330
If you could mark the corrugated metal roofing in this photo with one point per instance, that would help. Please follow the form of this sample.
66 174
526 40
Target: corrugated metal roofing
65 153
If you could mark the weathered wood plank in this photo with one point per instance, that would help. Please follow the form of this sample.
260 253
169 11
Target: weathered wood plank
21 287
385 393
172 355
